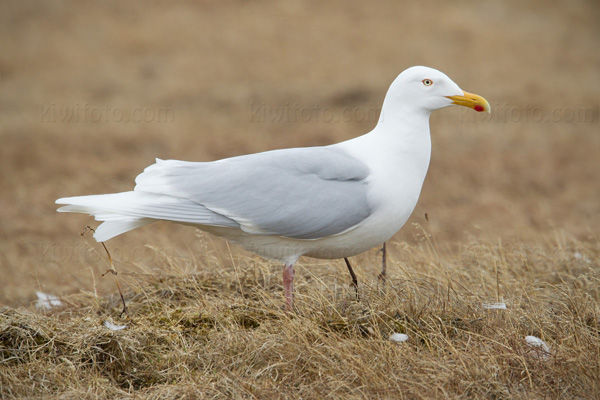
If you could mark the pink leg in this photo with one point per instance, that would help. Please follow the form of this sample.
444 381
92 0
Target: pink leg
288 285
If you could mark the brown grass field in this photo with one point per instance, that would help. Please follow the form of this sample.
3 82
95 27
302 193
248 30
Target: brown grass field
91 93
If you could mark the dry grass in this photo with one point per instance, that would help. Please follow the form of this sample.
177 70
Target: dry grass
512 201
202 330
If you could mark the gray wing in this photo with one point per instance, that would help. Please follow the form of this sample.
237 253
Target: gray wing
302 193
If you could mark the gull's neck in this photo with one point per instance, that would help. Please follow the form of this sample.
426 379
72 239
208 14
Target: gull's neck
403 123
403 129
400 142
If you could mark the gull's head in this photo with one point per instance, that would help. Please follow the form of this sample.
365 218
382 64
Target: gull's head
427 89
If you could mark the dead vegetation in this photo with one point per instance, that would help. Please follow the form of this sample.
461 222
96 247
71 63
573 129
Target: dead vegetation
221 331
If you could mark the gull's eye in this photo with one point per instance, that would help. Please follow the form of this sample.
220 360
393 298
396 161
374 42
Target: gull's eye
427 82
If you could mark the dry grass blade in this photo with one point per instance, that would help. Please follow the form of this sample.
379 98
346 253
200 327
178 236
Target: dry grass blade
112 269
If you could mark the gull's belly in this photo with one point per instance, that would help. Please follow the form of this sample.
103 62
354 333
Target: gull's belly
375 230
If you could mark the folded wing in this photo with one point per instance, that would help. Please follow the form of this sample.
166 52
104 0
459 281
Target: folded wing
304 193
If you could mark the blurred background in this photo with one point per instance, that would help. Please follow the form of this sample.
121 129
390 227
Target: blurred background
91 93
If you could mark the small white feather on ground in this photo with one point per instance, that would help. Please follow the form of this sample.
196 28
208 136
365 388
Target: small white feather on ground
114 327
398 337
47 301
494 306
539 345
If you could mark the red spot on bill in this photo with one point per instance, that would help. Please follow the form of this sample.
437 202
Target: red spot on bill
479 108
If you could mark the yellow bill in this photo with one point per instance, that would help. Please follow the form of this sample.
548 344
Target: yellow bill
471 100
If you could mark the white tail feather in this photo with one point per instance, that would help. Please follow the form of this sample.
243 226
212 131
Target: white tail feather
122 212
110 229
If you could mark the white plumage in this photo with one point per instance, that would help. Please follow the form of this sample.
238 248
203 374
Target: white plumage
326 202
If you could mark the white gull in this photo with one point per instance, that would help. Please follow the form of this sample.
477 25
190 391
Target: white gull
325 202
